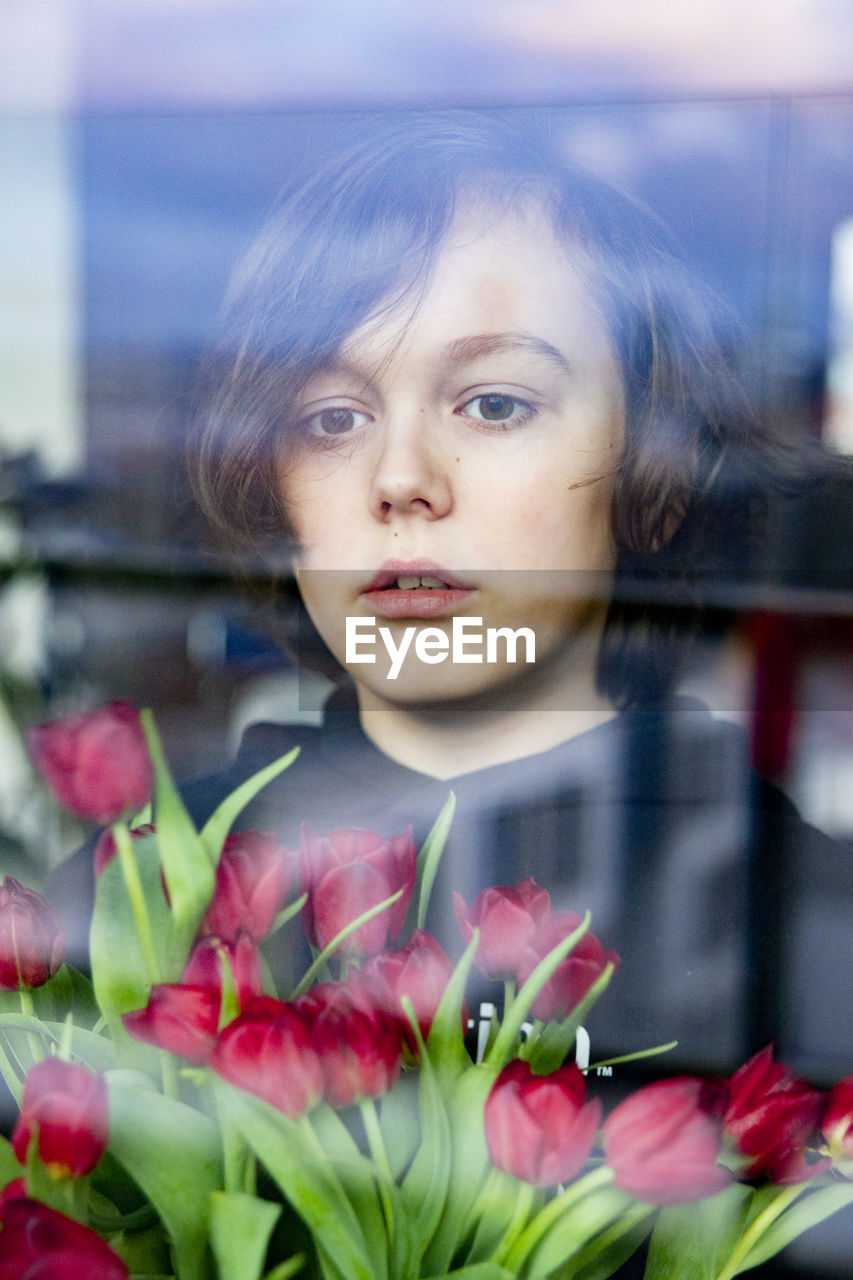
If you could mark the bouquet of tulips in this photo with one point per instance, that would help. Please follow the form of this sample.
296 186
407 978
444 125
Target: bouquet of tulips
178 1117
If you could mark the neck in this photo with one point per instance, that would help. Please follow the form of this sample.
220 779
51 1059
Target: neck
444 739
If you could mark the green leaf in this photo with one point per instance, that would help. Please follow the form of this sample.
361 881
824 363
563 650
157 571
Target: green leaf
144 1253
430 856
446 1039
219 823
425 1186
286 1269
95 1051
502 1049
173 1153
359 1179
9 1167
340 938
399 1122
813 1208
551 1046
304 1174
604 1255
477 1271
693 1241
187 865
470 1163
495 1208
240 1229
119 969
574 1229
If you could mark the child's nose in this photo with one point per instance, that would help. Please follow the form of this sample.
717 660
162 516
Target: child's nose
410 476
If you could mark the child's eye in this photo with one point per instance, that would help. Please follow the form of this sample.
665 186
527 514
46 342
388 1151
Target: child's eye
499 408
335 421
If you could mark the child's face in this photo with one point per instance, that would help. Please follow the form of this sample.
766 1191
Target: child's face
472 444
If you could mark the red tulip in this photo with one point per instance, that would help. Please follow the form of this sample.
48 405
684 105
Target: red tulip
420 970
32 940
508 919
97 764
253 881
66 1106
540 1128
663 1142
204 967
358 1043
518 929
770 1117
837 1126
14 1190
269 1051
105 848
180 1018
574 975
346 873
40 1244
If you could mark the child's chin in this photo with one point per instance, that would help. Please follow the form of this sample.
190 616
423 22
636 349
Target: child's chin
468 686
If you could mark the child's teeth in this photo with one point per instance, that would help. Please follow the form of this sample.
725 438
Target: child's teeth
434 583
408 584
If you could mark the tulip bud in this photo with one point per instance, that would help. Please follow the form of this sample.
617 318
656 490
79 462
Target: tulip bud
420 971
508 919
664 1140
66 1105
358 1044
770 1117
180 1018
96 764
517 930
38 1241
348 872
575 974
204 967
32 940
268 1051
539 1128
253 881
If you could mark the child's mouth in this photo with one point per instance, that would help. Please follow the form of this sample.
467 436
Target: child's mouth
414 591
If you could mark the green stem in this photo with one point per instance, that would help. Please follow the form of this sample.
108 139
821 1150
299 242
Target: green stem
509 994
546 1218
757 1228
517 1222
376 1142
136 895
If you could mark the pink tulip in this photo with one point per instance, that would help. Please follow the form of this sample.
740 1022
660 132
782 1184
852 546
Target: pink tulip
96 764
32 940
540 1128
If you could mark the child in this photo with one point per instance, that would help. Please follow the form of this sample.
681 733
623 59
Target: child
472 385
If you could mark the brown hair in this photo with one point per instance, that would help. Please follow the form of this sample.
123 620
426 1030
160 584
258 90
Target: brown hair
362 236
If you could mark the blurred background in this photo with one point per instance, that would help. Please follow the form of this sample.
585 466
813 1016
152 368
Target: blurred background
141 143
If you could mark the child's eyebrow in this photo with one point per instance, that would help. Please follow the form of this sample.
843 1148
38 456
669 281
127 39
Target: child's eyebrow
467 350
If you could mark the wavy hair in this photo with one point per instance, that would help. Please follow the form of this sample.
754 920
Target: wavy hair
361 237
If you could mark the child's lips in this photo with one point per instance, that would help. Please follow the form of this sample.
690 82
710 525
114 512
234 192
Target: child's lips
414 589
